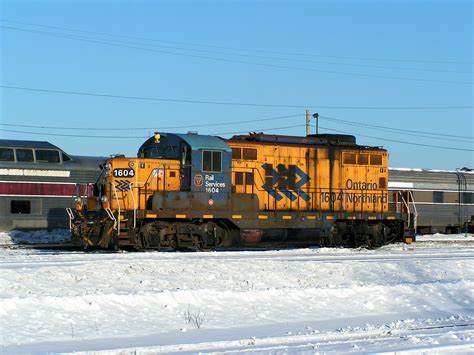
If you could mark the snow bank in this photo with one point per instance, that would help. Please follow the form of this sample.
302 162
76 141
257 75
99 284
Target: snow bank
35 237
438 237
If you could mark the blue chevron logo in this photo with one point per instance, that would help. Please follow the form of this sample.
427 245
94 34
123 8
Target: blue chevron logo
122 185
283 182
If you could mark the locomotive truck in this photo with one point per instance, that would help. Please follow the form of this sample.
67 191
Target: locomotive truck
191 191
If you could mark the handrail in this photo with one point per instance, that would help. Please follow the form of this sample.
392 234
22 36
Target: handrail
118 208
111 216
134 206
71 216
415 214
407 207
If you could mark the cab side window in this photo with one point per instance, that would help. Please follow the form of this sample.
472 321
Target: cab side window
212 161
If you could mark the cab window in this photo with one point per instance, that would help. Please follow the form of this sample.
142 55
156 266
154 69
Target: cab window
212 161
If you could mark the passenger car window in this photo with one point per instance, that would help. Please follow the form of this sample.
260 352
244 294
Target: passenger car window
65 157
6 154
212 161
20 207
438 196
25 155
47 156
467 197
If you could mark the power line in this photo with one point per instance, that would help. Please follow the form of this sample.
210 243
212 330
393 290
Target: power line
228 103
241 61
401 142
101 40
237 132
68 135
234 48
431 135
149 128
131 137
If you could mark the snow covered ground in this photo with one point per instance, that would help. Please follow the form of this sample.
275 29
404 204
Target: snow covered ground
416 298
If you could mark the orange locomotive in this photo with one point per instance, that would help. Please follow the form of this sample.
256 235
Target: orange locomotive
202 192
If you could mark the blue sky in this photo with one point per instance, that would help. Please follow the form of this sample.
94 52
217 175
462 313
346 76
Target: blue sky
391 54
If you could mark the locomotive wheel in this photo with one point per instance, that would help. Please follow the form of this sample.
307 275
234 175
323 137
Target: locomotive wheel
108 238
375 240
144 236
393 233
142 242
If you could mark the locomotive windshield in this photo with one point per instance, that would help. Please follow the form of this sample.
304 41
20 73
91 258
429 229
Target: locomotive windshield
157 152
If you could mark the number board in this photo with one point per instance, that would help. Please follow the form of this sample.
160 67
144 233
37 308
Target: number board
124 173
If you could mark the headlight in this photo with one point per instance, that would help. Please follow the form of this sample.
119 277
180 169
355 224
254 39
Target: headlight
104 199
78 200
107 167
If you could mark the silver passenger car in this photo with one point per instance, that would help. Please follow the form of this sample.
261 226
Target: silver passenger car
437 200
38 181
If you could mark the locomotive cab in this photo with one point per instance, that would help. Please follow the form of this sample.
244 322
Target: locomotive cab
173 176
204 173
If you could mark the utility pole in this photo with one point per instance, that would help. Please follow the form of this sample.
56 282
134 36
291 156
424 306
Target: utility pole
308 128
